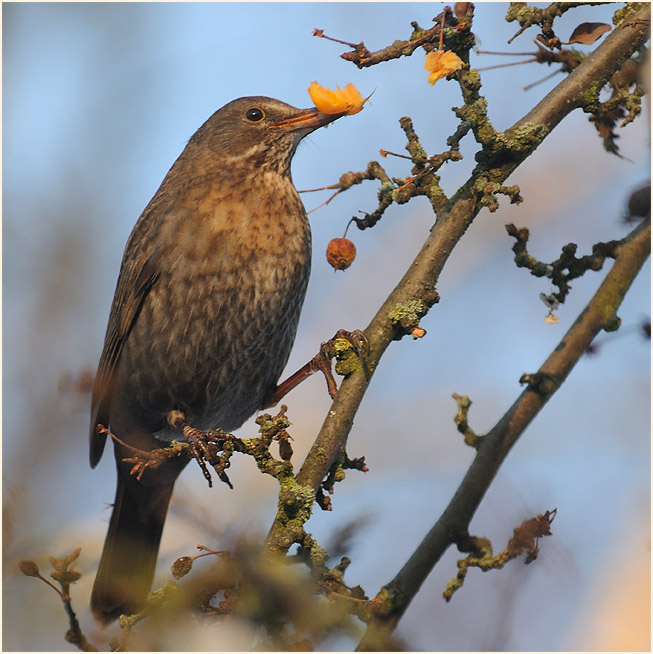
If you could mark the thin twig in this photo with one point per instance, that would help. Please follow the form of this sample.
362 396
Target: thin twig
512 63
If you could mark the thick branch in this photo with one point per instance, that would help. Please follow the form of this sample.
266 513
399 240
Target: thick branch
452 526
418 284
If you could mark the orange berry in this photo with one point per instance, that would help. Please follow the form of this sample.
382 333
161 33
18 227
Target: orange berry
340 253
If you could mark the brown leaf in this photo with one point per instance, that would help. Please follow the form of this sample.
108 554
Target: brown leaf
588 33
528 534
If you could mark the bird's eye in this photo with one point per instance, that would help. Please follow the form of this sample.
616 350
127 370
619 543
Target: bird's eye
255 114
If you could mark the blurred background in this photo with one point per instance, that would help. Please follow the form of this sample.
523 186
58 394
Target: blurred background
98 101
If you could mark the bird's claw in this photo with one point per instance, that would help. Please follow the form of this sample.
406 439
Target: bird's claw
196 440
207 447
357 339
330 350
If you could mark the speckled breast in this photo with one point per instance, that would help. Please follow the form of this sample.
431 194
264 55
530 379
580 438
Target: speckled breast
216 329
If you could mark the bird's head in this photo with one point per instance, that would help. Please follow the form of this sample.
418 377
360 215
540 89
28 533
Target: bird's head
261 131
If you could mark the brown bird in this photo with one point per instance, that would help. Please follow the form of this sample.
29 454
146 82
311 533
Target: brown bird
203 319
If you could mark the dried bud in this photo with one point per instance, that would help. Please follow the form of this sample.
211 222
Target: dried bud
340 253
460 9
639 203
66 576
285 449
182 566
73 556
29 568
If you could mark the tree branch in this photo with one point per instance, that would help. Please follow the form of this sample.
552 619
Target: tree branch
594 72
452 526
417 287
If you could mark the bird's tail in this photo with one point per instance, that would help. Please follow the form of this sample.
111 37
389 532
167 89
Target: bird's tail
126 570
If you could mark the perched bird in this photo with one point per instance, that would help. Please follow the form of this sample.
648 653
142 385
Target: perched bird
203 319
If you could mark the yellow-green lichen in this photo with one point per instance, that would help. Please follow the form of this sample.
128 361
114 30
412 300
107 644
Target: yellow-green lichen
407 314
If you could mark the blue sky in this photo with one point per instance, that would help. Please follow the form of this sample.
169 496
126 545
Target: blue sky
98 101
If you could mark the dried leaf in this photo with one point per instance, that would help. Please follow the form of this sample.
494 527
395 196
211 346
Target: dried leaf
527 535
588 33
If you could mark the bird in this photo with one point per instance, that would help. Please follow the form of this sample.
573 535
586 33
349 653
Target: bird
204 315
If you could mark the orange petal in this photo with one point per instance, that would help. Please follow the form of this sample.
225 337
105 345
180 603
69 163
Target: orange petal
441 63
341 101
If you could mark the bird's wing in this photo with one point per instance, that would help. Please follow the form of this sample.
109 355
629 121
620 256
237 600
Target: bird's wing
134 284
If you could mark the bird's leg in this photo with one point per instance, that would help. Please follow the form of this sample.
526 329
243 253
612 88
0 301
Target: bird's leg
321 361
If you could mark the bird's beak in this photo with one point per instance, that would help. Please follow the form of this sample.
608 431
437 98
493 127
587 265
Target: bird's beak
308 119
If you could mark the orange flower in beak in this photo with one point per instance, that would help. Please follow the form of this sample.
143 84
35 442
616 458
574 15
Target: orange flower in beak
346 101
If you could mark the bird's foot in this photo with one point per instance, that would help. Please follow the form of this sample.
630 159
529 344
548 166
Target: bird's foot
206 446
142 459
342 347
198 442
